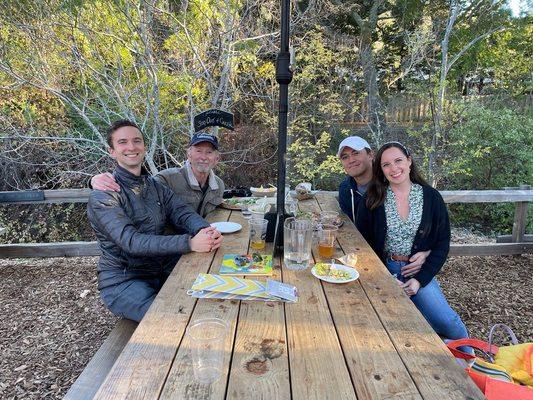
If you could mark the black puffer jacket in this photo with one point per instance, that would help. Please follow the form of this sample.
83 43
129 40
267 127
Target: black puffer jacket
130 228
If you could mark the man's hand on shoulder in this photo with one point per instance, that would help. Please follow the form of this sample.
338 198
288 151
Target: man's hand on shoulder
105 181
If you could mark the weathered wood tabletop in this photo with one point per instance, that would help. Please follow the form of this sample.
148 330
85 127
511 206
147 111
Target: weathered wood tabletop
357 340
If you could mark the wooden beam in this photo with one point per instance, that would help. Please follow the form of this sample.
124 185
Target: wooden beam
450 196
62 249
94 374
53 196
477 196
509 239
67 196
486 196
520 219
493 249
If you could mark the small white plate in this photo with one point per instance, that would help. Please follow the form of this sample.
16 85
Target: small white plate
227 227
352 271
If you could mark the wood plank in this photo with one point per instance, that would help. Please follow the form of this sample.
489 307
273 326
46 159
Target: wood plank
61 249
520 222
477 196
180 383
143 365
97 369
20 196
450 196
430 364
52 196
317 366
260 365
376 368
486 196
509 238
493 249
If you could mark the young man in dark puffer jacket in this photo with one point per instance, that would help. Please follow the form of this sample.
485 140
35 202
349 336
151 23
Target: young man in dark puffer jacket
136 256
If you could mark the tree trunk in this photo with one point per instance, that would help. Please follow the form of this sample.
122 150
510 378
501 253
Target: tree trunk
375 112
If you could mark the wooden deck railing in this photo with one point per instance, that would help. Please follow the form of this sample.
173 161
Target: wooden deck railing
517 243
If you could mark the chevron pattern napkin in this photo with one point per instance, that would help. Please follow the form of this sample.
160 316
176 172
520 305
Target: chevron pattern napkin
231 287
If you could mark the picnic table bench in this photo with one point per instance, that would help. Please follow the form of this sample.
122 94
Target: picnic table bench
358 340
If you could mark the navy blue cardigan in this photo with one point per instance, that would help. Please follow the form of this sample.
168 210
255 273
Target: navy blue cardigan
349 197
433 232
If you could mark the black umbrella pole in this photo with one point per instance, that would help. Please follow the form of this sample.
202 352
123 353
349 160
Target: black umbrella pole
283 77
282 166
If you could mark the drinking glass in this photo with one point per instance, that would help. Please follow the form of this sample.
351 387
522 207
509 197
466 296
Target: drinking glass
258 229
297 239
326 240
246 212
328 217
207 338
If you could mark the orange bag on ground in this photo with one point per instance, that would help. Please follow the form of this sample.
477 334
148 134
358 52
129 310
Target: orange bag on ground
495 380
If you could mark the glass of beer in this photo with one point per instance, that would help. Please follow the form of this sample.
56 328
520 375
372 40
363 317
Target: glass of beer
328 217
326 240
258 230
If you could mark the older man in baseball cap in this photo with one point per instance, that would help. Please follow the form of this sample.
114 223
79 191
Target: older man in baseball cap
195 183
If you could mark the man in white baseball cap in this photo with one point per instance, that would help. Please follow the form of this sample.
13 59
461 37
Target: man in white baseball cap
356 157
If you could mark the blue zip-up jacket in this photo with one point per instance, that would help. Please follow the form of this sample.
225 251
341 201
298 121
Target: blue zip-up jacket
349 197
130 226
433 232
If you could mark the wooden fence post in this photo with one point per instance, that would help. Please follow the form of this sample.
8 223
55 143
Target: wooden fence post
520 217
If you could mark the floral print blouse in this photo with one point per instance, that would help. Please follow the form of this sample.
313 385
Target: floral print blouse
400 233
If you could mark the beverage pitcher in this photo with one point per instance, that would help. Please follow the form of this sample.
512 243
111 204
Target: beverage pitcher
297 239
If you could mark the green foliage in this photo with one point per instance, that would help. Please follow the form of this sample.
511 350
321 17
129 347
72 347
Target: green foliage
489 148
318 105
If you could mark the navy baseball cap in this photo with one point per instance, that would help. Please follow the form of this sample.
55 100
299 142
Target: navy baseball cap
204 137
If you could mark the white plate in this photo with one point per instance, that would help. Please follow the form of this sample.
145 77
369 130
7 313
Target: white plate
227 227
352 271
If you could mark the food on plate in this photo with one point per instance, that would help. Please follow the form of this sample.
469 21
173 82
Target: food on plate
238 202
263 191
302 188
303 191
324 269
315 218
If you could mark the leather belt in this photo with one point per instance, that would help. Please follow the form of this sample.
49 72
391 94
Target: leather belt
397 257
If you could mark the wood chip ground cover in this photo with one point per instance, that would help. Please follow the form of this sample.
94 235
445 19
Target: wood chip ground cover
53 320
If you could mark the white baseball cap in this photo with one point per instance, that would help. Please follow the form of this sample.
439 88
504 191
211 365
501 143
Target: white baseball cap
353 142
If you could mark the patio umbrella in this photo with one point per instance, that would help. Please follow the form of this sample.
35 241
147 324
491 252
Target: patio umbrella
283 77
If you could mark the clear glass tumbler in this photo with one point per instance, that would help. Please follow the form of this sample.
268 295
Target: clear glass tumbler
207 337
258 230
297 239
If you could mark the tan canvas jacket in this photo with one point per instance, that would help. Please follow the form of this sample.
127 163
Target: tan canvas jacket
183 182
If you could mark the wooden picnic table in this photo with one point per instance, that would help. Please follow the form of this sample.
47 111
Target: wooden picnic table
357 340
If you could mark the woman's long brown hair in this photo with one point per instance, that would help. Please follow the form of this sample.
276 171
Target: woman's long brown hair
377 189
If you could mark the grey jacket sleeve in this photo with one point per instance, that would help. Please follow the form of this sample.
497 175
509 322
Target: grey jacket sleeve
180 213
106 214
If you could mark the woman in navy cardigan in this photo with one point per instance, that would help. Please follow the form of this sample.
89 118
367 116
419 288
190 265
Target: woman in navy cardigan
401 215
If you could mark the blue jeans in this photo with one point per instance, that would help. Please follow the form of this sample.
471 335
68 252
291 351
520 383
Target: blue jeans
133 292
431 302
